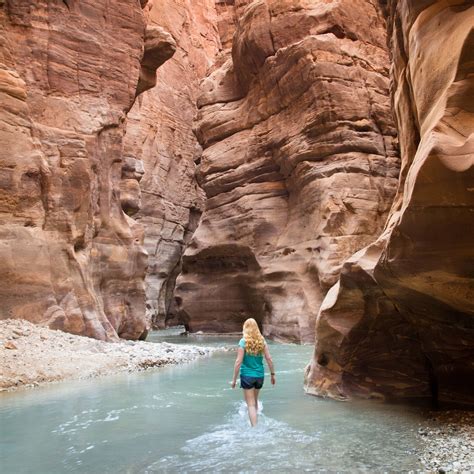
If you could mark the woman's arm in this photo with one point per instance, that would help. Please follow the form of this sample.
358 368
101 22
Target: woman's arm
269 360
238 363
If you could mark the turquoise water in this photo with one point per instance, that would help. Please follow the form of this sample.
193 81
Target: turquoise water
188 419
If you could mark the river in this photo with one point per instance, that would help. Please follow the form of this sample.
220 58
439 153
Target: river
188 419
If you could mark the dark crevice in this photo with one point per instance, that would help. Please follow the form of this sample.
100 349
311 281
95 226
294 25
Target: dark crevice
79 245
340 33
323 360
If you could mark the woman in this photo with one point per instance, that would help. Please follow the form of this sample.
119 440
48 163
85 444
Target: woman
252 348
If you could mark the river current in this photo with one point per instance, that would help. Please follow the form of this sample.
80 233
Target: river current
187 418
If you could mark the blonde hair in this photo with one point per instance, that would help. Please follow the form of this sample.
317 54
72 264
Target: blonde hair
254 342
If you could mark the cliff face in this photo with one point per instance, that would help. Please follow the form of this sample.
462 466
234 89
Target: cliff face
399 323
69 72
299 164
160 140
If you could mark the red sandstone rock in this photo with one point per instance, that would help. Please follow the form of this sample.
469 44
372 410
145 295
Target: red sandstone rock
299 164
70 257
299 169
159 47
160 137
399 323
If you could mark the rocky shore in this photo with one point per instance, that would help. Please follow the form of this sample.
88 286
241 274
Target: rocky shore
448 439
31 355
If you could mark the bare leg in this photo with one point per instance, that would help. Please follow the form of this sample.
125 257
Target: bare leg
252 408
256 391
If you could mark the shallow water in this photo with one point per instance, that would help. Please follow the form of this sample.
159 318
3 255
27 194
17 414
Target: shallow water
188 419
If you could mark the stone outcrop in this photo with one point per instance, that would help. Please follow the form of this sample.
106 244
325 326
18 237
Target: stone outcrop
299 167
159 47
70 257
400 322
161 147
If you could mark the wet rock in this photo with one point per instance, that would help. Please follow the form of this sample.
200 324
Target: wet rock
62 356
450 444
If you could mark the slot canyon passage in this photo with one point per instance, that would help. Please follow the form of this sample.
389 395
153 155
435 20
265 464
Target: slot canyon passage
170 168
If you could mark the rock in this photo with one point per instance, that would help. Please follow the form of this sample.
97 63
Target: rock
399 321
447 448
168 202
71 258
159 47
297 156
63 358
299 164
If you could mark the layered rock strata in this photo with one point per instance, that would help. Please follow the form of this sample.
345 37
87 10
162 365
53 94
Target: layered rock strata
400 321
161 147
70 257
299 164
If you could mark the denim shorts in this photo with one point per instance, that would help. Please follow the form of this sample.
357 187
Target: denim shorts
251 382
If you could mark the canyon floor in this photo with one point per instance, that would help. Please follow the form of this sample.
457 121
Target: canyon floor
31 355
448 439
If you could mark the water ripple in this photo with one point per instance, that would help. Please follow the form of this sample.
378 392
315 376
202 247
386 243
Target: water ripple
231 445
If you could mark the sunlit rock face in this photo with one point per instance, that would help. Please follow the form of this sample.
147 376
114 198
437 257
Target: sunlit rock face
70 257
400 322
160 141
299 164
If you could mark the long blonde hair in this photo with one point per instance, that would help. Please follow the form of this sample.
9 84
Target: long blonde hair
254 342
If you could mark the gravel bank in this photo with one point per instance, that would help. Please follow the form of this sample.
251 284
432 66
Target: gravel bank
448 439
31 355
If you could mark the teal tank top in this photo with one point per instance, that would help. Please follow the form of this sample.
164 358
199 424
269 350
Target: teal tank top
252 365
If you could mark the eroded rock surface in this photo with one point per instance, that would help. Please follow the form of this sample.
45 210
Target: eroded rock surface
299 164
160 143
400 322
70 257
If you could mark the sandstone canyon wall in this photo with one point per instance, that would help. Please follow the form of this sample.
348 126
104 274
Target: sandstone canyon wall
297 169
400 322
160 140
300 162
70 257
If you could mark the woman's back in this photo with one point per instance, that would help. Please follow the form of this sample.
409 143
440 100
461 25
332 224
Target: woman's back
252 365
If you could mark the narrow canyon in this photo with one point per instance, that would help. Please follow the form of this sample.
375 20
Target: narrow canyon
307 163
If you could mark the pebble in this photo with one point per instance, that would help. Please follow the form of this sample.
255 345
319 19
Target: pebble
447 442
45 355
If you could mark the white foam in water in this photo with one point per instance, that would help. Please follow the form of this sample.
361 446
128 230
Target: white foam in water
190 421
243 409
235 445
